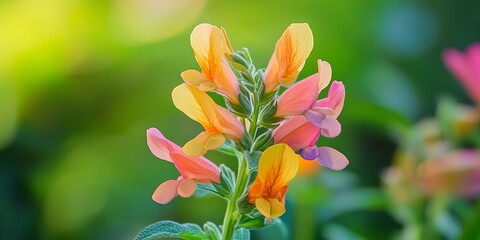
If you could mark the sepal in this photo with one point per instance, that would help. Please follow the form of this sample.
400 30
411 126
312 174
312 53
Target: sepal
255 220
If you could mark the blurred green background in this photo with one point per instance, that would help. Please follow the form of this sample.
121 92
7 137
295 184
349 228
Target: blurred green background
81 81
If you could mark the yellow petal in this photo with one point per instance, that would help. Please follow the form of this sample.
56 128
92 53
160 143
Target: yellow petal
207 86
194 77
325 71
202 143
270 207
287 61
200 107
210 45
197 105
278 165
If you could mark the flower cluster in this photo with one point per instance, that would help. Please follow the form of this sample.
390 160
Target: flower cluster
261 127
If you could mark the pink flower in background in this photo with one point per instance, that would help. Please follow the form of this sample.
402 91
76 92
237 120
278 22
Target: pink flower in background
466 68
457 172
192 169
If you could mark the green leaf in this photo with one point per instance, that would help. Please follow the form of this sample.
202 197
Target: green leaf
169 230
223 189
241 234
212 231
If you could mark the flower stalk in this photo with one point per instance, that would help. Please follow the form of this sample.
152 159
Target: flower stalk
231 214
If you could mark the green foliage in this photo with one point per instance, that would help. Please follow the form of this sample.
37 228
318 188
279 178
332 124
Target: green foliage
223 189
169 230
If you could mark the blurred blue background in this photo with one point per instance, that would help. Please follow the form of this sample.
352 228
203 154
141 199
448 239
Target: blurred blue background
81 81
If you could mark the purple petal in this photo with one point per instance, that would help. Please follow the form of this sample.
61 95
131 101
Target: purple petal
331 158
309 153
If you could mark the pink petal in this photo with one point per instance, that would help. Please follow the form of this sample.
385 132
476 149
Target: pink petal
465 68
473 55
331 158
159 145
187 188
198 168
297 132
335 98
299 97
331 127
315 117
166 191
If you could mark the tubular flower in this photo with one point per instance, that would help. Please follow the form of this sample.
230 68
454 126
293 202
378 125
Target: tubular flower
289 57
216 120
302 132
192 169
466 68
210 45
301 97
277 166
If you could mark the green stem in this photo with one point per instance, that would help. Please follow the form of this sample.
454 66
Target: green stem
231 216
254 120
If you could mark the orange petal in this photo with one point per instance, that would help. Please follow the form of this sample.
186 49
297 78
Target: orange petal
287 61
